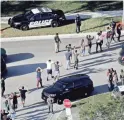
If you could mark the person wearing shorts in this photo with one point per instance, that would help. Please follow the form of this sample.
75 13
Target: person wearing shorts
23 95
49 69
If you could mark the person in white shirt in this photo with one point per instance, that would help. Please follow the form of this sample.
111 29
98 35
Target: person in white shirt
49 69
99 41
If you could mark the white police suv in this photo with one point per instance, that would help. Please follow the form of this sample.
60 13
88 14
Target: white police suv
38 17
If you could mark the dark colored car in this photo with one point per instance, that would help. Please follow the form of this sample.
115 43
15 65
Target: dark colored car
38 17
3 67
70 87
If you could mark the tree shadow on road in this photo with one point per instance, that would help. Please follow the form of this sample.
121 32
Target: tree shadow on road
97 90
24 69
19 57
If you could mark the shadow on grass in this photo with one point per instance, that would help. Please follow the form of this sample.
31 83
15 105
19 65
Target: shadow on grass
5 29
96 27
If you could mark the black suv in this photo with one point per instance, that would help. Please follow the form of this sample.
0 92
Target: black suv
70 87
38 17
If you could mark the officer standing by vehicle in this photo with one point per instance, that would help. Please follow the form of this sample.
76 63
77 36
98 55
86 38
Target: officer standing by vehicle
50 104
57 42
78 23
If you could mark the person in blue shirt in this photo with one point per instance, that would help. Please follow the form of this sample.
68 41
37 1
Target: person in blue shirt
39 79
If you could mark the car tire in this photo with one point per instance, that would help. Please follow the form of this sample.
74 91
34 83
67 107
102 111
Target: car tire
10 22
59 101
24 27
54 24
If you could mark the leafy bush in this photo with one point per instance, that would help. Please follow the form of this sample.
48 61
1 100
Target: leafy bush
104 107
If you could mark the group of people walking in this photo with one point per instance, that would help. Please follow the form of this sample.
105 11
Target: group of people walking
11 101
113 78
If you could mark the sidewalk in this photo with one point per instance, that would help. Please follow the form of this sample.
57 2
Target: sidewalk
48 37
83 15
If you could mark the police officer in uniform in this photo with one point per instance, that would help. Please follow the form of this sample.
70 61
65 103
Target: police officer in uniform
57 42
78 23
50 102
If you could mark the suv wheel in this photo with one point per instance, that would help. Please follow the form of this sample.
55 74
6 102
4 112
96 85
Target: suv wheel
24 27
54 24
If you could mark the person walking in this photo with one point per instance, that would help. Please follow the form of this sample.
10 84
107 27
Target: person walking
23 94
50 102
110 79
14 98
82 47
57 71
57 42
68 56
113 26
68 47
108 36
98 42
76 60
78 23
115 78
119 28
49 69
39 79
6 106
89 42
2 86
12 114
122 76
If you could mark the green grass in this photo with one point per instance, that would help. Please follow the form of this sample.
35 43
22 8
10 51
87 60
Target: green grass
89 25
10 8
101 106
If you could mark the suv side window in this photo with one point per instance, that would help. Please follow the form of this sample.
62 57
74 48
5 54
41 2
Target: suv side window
70 85
37 17
77 83
45 16
32 18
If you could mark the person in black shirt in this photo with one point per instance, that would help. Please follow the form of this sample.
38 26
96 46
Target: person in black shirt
119 28
78 23
14 98
2 87
23 95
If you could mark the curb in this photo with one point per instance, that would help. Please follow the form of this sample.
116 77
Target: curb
48 37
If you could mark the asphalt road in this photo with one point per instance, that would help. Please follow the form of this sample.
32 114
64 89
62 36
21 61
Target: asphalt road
24 57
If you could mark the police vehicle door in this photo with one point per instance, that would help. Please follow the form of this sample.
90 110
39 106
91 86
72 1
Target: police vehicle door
35 21
46 19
